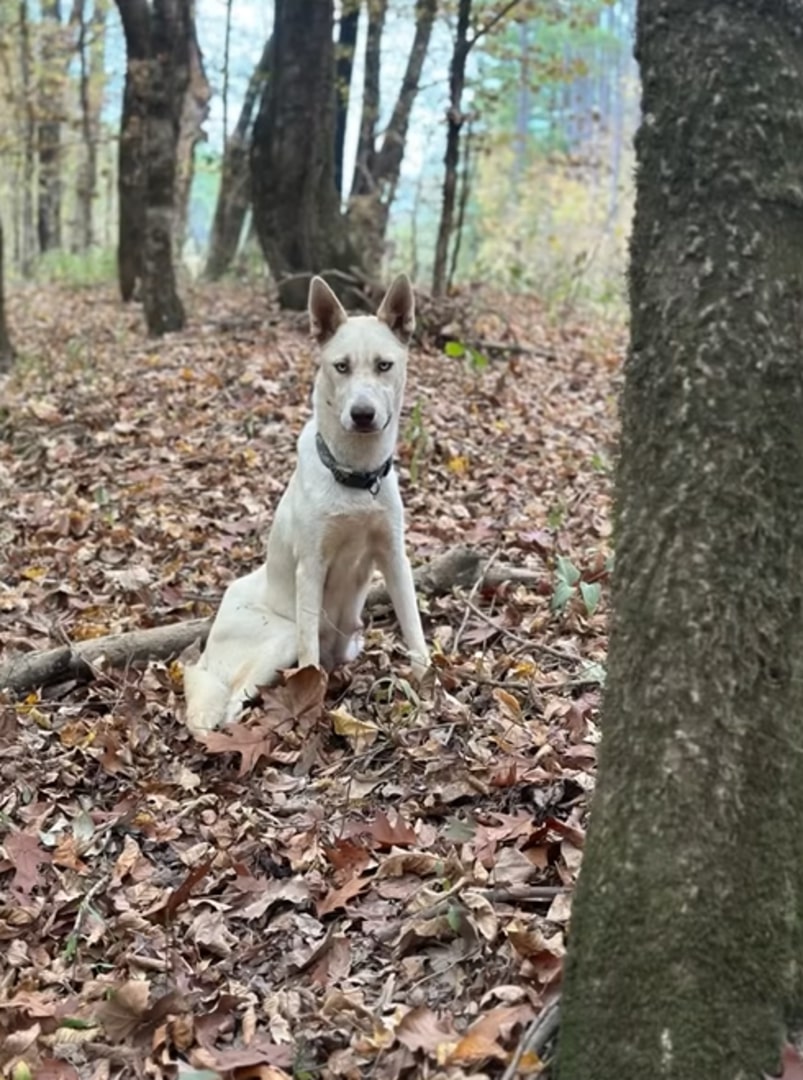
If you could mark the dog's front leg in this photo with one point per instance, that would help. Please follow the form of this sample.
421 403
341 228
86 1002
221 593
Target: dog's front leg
309 601
395 569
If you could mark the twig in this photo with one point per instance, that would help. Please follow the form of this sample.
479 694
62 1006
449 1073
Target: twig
535 893
528 643
474 590
491 23
536 1037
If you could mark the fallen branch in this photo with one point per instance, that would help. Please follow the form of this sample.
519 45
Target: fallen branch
459 566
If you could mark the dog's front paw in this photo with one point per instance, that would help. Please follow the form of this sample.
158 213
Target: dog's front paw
421 666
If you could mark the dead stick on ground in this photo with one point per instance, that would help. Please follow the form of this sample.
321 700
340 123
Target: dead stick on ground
459 566
536 1037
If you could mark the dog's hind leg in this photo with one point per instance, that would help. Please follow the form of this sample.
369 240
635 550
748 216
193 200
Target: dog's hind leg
247 646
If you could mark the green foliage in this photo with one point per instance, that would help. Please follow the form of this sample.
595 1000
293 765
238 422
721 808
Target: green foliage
532 62
591 673
557 231
475 360
568 585
554 104
85 268
600 463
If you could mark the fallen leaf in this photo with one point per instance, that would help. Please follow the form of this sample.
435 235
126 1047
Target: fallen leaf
390 835
123 1010
26 856
422 1029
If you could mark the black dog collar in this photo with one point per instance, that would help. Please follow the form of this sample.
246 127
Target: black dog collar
352 478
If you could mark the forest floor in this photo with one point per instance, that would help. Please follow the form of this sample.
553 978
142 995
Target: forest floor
376 886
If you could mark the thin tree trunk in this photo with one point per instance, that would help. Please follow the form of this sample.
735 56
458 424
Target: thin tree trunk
194 111
454 120
27 234
362 183
132 172
344 63
50 107
6 348
462 206
91 42
617 129
171 33
369 211
686 948
234 196
523 108
224 94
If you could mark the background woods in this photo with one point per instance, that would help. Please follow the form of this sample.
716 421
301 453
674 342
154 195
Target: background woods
153 135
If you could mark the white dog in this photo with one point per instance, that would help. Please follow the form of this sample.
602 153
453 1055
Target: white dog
340 517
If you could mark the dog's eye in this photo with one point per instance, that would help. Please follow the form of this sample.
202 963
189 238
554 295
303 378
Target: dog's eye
341 366
384 365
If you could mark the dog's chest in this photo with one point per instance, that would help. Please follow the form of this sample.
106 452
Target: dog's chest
353 538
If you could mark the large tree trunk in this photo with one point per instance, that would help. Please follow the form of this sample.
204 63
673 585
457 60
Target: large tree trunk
50 108
344 63
686 946
234 196
6 348
378 172
171 30
194 111
132 173
454 120
295 203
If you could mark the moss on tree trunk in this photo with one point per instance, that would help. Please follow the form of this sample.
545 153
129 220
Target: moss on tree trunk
685 947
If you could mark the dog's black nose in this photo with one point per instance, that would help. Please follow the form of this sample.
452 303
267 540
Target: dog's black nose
362 417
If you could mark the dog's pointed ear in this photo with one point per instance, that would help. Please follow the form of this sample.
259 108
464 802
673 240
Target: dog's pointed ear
326 312
398 308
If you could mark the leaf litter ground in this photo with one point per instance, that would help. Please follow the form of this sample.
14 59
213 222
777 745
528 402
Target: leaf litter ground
375 882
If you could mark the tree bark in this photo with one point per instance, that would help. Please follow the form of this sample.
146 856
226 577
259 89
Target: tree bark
171 30
6 348
48 134
344 63
454 121
27 235
686 947
296 207
378 172
459 566
132 162
91 44
234 196
366 141
194 111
